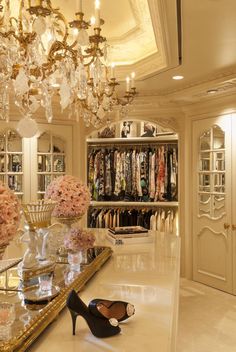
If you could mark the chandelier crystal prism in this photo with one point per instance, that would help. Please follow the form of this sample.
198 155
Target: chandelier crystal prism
42 56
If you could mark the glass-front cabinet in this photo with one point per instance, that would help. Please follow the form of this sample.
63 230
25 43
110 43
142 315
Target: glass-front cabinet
50 160
28 165
211 171
213 214
11 161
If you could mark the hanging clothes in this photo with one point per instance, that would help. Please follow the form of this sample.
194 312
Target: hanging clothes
162 220
133 174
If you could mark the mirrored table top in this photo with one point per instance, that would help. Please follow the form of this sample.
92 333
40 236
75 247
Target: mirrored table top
145 274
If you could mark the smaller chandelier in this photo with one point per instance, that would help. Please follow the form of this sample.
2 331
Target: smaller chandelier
42 55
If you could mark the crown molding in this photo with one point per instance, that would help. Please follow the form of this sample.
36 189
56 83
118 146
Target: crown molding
163 15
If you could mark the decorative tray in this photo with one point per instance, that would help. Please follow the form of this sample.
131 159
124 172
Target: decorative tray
32 318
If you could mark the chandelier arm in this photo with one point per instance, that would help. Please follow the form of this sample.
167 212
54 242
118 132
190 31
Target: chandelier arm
122 102
90 62
11 21
57 46
109 95
61 17
30 46
20 24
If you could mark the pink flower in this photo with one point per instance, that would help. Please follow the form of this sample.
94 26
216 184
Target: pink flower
9 214
78 239
71 195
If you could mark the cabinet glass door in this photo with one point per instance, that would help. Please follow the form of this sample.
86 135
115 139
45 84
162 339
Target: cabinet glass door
11 161
50 160
212 236
211 185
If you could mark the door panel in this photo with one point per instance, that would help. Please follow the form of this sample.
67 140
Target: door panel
212 238
234 198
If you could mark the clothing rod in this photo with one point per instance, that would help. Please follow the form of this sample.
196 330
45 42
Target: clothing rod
132 145
132 208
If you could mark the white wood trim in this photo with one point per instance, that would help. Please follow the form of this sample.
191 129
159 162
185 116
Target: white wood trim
212 218
212 275
211 230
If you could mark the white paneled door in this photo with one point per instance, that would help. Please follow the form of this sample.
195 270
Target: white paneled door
213 244
233 197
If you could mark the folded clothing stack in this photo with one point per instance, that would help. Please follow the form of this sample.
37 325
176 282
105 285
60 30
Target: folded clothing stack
127 234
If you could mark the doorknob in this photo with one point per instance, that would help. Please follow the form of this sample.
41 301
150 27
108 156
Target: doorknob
233 227
227 226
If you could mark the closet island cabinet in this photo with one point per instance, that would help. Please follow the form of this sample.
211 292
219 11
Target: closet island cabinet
28 165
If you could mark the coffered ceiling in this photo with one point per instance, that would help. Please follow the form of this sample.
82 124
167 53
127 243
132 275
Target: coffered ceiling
128 27
143 36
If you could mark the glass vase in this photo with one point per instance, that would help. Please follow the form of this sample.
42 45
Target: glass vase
68 222
75 259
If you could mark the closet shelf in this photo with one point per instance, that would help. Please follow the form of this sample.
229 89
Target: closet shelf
133 204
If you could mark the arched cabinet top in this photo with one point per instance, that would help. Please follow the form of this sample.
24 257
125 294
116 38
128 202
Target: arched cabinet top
130 128
49 142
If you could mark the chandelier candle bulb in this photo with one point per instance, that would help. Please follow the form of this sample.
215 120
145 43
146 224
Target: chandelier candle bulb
35 2
79 6
97 13
113 70
92 21
91 71
127 84
132 79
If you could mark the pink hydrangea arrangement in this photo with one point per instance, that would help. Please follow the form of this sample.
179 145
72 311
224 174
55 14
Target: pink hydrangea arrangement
9 215
71 195
78 239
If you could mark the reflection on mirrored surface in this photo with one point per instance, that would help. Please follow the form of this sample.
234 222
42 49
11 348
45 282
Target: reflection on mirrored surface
30 303
205 141
2 142
43 182
212 172
7 317
44 163
219 161
15 182
14 162
14 141
205 182
58 145
44 143
59 163
2 163
204 161
218 138
219 183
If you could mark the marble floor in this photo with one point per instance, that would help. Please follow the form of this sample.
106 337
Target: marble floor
207 319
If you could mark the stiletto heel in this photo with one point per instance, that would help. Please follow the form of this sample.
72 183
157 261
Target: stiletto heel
73 317
98 327
104 308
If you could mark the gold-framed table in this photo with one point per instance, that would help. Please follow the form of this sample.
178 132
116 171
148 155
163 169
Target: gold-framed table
33 318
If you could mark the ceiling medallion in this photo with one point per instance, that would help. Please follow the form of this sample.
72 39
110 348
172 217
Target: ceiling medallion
42 55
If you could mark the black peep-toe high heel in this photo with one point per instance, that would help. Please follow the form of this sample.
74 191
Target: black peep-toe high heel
99 327
104 308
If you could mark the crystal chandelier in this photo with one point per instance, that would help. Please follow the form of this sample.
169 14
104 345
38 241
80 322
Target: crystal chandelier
42 55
